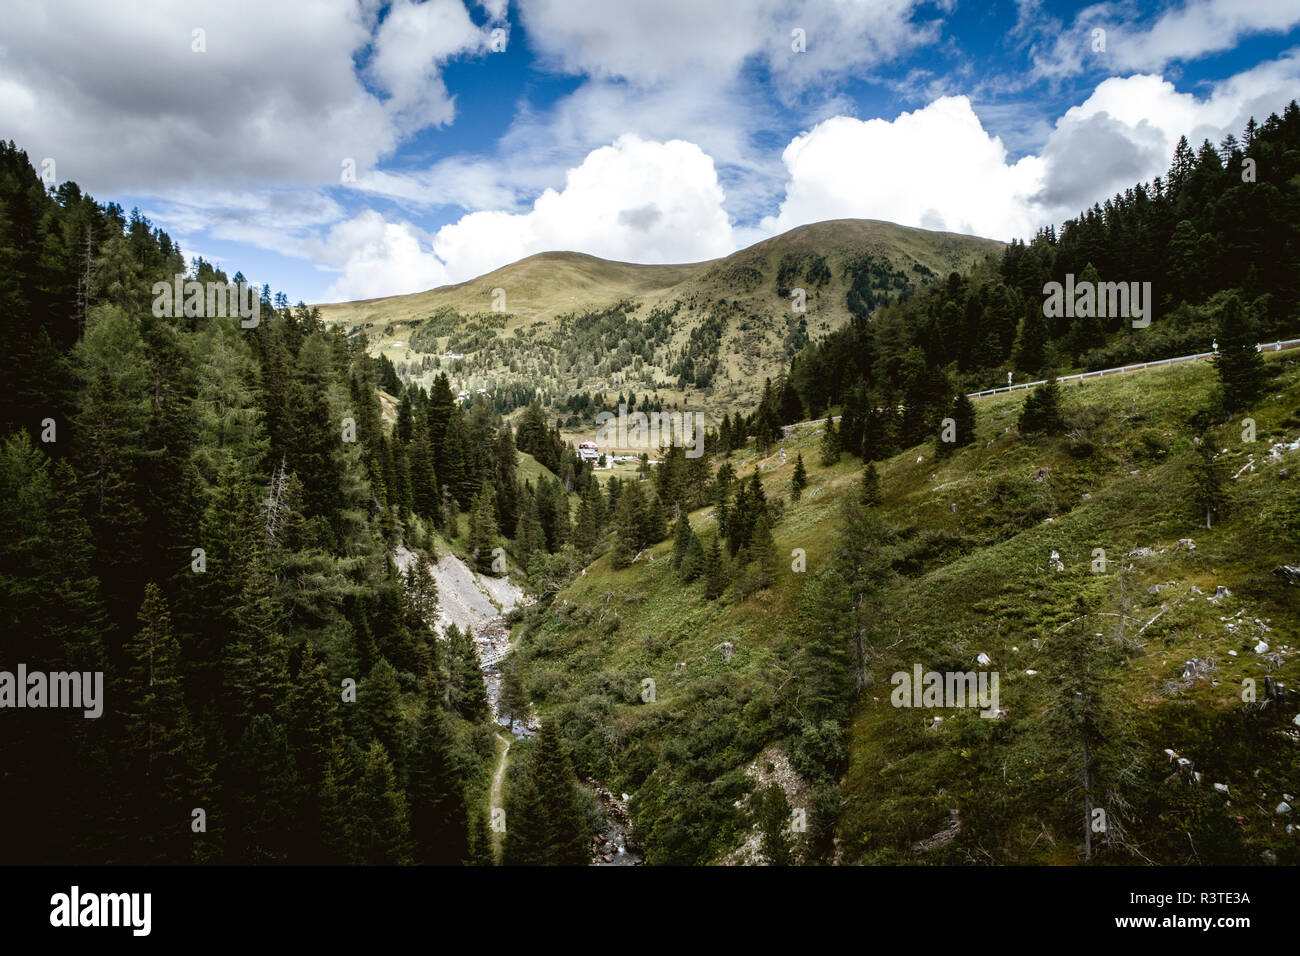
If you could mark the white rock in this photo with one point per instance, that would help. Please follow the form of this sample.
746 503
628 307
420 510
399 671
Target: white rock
1261 648
1232 653
983 660
1221 787
1283 807
1032 673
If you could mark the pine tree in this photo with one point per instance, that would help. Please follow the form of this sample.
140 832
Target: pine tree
1208 480
830 446
439 813
715 572
513 702
381 821
1242 374
545 823
1041 414
800 479
871 495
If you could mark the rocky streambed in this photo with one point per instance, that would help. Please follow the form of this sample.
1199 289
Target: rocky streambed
480 603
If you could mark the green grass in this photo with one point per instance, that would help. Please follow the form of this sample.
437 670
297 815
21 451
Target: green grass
971 581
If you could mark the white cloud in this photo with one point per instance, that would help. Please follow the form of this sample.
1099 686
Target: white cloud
935 168
377 258
635 200
410 47
651 41
1126 131
1183 33
121 99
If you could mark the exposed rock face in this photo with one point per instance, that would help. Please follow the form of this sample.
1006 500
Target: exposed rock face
475 602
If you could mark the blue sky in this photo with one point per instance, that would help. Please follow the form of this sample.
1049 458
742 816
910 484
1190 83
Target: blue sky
481 131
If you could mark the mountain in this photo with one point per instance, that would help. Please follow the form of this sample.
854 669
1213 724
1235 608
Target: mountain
706 332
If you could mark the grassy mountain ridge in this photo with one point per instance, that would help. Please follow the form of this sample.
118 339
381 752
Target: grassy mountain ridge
705 333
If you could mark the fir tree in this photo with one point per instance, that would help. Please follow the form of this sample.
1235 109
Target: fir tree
439 814
545 823
1041 414
381 818
799 481
715 572
1242 374
870 494
830 446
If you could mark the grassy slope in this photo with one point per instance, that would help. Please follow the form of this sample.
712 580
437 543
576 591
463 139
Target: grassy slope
543 287
990 590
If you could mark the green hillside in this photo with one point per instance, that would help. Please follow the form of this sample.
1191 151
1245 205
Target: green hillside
965 569
701 334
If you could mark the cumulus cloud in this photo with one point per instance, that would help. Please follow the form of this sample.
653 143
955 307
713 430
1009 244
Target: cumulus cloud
1126 130
377 258
410 46
157 97
936 168
635 200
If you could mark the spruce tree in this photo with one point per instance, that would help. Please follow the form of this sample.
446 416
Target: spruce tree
682 535
830 446
545 824
466 691
381 707
763 552
1041 414
692 565
1208 480
772 812
800 479
381 818
513 702
715 572
482 533
870 494
1242 374
439 814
